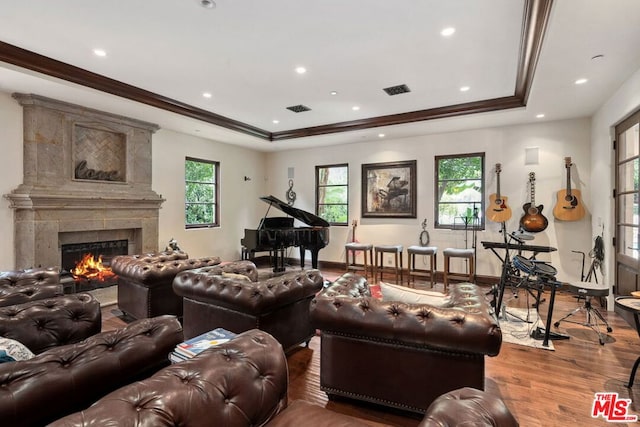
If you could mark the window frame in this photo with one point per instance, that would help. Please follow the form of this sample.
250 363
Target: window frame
216 193
318 186
481 208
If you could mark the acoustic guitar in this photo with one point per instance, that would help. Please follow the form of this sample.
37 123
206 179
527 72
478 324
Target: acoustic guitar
498 210
533 220
569 205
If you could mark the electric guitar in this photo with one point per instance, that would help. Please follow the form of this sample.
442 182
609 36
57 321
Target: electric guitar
533 221
498 211
569 205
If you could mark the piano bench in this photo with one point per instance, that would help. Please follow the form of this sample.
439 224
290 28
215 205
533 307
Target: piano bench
278 305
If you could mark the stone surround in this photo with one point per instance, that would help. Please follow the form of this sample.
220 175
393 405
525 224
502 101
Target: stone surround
87 177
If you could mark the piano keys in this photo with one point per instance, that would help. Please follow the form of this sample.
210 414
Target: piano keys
275 234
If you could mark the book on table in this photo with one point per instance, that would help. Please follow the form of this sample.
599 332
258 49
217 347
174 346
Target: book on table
197 345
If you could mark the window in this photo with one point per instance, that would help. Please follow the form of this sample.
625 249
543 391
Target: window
332 193
202 206
460 191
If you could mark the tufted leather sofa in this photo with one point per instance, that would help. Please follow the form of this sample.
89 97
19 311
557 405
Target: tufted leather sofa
51 322
145 282
19 286
402 355
244 383
69 378
278 305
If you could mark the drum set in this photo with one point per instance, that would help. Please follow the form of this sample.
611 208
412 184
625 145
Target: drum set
534 276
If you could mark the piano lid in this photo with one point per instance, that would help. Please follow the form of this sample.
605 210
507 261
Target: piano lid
304 216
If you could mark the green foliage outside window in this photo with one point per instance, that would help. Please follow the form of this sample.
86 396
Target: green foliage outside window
201 179
332 193
459 190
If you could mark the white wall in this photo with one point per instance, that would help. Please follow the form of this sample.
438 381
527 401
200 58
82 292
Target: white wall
240 204
10 173
504 145
620 105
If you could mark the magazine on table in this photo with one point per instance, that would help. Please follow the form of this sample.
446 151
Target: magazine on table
197 345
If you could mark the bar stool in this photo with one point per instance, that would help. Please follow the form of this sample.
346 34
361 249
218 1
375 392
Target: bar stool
380 250
351 251
458 253
431 252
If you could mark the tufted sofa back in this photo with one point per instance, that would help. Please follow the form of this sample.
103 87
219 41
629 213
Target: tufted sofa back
207 286
465 324
239 383
19 286
155 269
51 322
69 378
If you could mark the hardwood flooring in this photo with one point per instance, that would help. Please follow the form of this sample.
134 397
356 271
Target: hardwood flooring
541 387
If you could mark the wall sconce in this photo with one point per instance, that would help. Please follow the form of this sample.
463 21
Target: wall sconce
246 178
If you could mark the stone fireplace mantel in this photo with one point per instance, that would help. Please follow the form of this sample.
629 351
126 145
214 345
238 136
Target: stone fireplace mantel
87 175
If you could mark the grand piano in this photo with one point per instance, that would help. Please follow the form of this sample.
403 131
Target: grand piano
275 234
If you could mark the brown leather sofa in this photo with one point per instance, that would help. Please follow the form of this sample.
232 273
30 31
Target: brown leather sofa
244 383
230 297
69 378
145 282
402 355
20 286
51 322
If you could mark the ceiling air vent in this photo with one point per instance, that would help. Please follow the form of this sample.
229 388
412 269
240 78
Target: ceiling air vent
299 108
397 90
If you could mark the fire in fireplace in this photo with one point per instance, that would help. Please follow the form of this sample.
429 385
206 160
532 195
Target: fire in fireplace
91 268
89 263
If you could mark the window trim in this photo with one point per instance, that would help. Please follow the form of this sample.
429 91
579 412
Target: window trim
216 192
336 165
436 204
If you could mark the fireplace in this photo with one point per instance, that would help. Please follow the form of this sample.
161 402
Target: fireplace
74 252
87 178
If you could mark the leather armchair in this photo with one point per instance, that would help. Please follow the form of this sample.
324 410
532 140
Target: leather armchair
402 355
52 322
145 282
278 305
20 286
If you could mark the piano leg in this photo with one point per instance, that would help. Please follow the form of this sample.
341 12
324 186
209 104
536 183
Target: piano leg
303 253
278 261
314 257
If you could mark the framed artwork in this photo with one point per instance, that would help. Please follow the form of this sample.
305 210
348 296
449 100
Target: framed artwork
389 190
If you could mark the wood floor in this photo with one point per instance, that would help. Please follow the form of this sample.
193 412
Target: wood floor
541 387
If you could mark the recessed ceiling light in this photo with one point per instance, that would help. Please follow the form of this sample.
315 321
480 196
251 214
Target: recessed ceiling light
381 135
333 92
275 122
206 95
301 70
464 88
355 108
581 81
99 52
448 31
207 4
539 116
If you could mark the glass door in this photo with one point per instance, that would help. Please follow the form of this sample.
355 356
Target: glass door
627 206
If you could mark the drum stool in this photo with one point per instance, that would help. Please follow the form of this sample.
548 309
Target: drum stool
594 318
351 251
458 253
431 252
380 250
